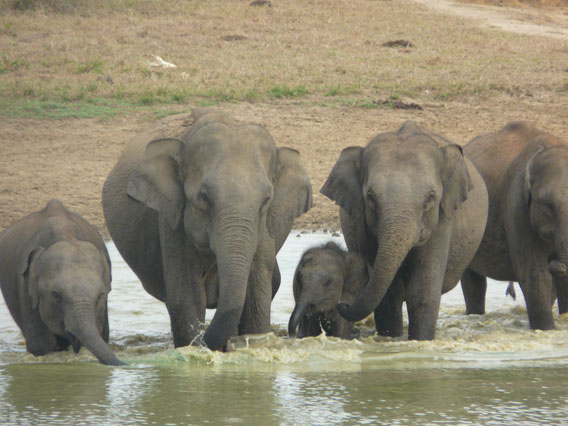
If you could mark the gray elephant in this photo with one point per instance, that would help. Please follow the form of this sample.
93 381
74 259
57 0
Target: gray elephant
324 276
526 240
55 275
416 209
199 216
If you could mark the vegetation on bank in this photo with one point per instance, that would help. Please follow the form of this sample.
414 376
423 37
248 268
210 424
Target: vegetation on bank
94 58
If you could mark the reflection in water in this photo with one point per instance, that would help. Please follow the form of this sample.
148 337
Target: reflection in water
310 400
124 389
480 370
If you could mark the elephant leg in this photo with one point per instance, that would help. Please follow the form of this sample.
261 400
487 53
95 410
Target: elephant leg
255 317
427 272
40 342
62 343
388 315
275 279
561 286
185 297
309 326
343 328
423 295
537 290
39 339
474 287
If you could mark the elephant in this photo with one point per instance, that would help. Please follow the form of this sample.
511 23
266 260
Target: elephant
55 274
415 208
198 207
324 276
526 240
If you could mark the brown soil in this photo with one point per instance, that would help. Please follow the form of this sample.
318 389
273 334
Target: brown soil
70 159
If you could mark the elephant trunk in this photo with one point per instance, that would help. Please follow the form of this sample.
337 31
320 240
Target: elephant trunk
558 268
394 243
82 325
234 243
558 265
297 315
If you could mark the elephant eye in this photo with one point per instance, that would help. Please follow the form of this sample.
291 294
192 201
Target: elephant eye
430 201
204 200
56 295
371 201
327 283
548 208
204 197
265 203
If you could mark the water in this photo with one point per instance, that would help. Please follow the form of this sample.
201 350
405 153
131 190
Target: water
480 370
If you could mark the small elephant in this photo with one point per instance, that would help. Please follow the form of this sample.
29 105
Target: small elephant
198 207
415 208
324 276
526 240
55 275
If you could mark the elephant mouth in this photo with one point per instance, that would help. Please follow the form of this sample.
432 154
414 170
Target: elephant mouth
75 343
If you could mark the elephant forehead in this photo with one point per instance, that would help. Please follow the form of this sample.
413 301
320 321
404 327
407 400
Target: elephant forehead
220 146
70 256
323 262
231 135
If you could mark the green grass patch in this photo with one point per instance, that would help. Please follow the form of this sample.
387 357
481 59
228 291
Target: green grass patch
281 92
24 108
92 65
9 65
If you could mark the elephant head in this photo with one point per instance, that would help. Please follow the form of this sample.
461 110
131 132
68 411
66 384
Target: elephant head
68 283
324 276
228 189
399 190
546 197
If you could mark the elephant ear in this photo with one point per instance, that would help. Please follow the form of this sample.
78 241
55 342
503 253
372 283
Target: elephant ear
456 180
292 194
156 180
527 181
343 185
356 277
27 279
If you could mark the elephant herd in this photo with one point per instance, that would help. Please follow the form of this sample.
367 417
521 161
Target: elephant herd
200 213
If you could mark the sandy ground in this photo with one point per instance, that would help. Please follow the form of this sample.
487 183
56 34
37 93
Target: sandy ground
70 159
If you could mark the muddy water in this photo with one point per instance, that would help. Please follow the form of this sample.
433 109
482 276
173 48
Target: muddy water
481 370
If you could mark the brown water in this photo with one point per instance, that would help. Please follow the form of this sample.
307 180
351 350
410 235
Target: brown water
481 370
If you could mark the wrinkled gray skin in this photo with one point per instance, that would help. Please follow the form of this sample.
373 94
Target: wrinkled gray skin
415 209
55 276
200 219
324 276
526 172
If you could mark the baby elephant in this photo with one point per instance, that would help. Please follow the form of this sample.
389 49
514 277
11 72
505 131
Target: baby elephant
55 276
325 276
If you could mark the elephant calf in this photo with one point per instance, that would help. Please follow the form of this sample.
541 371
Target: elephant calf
324 276
55 276
526 240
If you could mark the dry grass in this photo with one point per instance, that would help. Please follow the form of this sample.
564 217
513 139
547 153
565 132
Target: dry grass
317 51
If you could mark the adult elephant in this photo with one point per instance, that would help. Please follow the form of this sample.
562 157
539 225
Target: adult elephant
55 276
526 240
415 208
198 207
